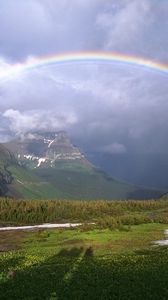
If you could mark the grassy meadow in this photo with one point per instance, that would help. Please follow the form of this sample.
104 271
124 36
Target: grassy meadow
115 258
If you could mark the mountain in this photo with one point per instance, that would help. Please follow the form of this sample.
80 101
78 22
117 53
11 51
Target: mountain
19 182
49 158
41 150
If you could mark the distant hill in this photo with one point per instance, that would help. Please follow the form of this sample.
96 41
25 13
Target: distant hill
50 166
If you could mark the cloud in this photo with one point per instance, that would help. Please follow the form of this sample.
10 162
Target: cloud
45 27
20 122
24 24
112 107
42 27
125 23
98 105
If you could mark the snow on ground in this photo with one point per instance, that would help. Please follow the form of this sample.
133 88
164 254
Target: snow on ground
66 225
50 143
41 160
163 242
31 157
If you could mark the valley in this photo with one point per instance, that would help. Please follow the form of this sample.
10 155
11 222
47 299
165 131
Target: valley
46 165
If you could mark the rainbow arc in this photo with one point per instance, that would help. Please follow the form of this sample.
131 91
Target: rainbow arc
99 57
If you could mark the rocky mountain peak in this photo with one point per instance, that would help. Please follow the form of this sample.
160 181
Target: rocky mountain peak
45 149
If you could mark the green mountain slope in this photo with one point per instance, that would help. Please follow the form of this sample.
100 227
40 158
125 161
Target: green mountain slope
19 182
26 184
6 158
52 167
76 181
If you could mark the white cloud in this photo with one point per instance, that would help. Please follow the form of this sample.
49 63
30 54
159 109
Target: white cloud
125 23
20 122
99 104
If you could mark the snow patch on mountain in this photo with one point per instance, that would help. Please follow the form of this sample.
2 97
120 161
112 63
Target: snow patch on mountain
41 160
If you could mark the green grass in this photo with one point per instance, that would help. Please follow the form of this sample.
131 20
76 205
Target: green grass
112 259
103 241
77 166
76 264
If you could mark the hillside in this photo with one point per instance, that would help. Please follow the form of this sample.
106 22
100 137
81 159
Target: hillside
49 159
79 182
27 185
17 181
6 158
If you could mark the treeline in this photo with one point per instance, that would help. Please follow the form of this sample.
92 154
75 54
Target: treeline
104 213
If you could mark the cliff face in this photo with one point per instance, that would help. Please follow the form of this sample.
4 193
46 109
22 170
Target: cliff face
45 149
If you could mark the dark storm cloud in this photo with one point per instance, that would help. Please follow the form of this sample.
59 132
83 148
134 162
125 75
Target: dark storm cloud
112 108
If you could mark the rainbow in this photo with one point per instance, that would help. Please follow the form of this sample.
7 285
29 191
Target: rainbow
86 57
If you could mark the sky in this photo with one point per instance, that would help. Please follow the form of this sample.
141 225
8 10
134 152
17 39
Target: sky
112 108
